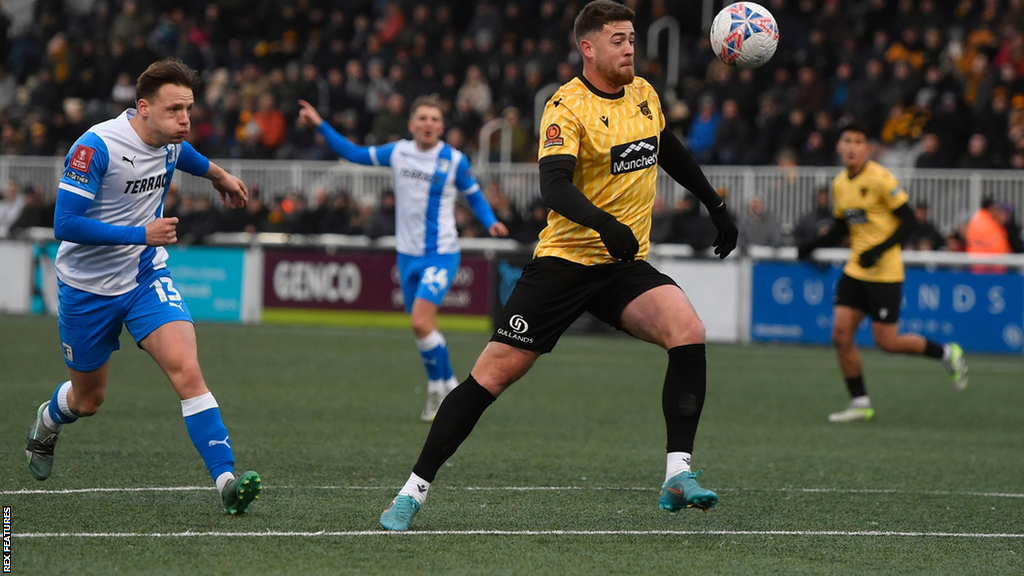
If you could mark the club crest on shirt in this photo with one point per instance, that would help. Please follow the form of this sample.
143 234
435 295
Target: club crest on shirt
553 136
645 110
443 164
81 158
172 153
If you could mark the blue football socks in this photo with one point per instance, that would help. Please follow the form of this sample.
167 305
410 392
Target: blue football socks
58 410
209 436
434 351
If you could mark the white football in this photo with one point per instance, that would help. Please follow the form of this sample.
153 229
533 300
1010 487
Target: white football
744 35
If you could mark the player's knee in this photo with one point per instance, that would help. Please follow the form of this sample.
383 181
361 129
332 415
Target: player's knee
841 337
695 332
689 331
89 404
185 375
422 327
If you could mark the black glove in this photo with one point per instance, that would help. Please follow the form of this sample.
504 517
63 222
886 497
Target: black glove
803 251
870 257
725 242
619 239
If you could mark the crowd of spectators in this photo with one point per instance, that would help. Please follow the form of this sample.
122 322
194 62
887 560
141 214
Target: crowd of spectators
939 83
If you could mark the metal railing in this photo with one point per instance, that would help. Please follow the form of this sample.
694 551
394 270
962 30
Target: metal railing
788 193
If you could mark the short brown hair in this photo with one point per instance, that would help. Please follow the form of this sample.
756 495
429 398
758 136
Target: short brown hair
429 100
596 14
167 71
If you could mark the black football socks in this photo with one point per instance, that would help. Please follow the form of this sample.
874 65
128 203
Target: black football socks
454 421
682 398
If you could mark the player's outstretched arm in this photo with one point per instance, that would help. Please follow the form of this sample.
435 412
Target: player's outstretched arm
908 223
232 189
836 232
470 188
365 155
560 195
683 168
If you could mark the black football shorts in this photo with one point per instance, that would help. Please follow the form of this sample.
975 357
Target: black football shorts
552 293
880 300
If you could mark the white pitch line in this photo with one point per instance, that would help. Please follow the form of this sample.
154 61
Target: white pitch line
94 490
356 533
25 492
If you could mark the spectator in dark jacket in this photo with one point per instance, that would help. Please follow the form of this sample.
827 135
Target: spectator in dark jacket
925 236
817 221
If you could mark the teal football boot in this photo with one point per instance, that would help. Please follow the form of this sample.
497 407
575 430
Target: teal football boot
399 514
683 491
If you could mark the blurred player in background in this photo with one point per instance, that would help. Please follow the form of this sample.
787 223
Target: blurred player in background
603 139
870 205
111 269
428 173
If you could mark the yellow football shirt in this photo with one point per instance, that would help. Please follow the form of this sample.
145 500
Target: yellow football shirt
614 138
867 202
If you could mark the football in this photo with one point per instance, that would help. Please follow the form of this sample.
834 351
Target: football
744 35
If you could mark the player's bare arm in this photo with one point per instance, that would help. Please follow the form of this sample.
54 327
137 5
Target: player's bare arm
161 232
308 116
232 189
498 230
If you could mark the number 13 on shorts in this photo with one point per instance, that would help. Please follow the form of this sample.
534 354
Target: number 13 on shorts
168 294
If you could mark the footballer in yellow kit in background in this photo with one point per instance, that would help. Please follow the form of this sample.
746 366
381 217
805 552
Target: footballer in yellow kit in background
867 202
872 208
613 141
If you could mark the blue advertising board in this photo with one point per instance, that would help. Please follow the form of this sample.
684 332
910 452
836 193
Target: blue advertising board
792 302
210 279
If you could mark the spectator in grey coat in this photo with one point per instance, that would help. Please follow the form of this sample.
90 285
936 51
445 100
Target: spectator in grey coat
758 227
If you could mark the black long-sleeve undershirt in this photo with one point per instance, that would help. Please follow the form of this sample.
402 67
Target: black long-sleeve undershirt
678 163
560 195
908 223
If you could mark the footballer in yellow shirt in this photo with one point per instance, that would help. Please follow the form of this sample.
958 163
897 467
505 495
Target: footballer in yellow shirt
602 141
871 206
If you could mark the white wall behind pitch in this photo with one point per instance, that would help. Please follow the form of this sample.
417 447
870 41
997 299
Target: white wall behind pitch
714 290
16 277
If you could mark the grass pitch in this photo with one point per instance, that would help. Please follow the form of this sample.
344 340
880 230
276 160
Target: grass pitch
561 475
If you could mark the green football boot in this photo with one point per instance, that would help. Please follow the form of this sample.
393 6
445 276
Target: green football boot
852 414
957 365
241 492
39 446
683 491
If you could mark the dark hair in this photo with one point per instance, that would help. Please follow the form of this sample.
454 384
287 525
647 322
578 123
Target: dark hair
167 71
853 127
430 100
596 14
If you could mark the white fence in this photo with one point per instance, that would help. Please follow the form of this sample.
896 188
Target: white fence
953 195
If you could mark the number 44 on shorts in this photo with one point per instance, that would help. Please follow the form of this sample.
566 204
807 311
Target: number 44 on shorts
436 279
